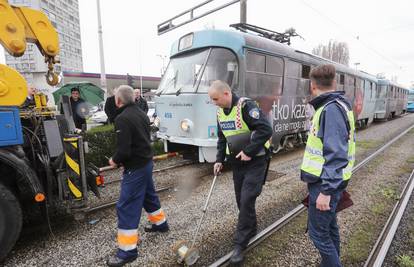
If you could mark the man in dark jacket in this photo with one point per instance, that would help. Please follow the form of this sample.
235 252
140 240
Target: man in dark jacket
110 109
30 101
328 160
140 101
79 108
134 153
238 118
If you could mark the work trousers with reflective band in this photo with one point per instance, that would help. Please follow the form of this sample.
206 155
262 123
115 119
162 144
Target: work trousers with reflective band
323 227
137 192
248 180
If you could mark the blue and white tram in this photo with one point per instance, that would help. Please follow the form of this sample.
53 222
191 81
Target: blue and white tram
275 75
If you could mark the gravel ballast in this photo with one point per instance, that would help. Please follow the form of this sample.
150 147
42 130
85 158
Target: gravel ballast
85 244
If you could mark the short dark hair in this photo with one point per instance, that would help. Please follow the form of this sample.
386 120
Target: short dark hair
323 75
75 89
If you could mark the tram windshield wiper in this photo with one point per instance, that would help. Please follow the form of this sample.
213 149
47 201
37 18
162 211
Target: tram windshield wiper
173 79
196 75
178 92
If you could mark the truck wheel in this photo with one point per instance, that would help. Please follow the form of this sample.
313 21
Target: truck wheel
10 220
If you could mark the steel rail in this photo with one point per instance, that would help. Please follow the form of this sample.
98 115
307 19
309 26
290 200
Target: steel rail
381 247
113 202
260 237
157 170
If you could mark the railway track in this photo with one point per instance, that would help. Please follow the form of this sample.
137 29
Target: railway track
111 203
182 164
384 241
260 237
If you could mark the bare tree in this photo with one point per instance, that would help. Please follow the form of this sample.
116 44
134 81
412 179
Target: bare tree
335 51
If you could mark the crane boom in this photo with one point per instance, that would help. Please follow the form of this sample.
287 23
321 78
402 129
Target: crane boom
19 26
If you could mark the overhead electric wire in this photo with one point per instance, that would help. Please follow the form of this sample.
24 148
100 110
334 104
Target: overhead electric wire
351 34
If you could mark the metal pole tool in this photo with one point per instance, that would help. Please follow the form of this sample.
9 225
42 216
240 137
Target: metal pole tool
186 253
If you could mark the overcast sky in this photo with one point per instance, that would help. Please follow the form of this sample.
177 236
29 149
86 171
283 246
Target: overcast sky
379 33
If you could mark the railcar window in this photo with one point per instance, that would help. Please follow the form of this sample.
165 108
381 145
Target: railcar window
186 71
221 65
371 89
368 88
182 72
255 62
265 83
359 87
341 79
376 89
293 70
274 65
411 95
305 71
295 84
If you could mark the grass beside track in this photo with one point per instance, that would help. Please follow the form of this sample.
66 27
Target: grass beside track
362 235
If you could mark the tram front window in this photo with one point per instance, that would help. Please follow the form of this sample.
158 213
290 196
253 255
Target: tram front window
187 73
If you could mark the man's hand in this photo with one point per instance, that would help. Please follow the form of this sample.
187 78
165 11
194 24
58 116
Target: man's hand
112 163
322 202
218 166
243 157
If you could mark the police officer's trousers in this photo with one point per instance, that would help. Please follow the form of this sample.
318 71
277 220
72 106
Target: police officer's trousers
248 180
323 227
137 192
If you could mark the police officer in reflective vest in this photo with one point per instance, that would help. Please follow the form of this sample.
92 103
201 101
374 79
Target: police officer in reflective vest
243 134
134 152
328 161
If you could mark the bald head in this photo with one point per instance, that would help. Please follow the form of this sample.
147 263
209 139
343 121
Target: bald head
31 90
220 93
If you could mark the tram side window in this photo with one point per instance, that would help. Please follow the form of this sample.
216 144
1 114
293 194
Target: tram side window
359 87
371 89
304 86
274 65
263 76
377 90
292 79
368 89
305 71
274 69
255 62
340 81
350 86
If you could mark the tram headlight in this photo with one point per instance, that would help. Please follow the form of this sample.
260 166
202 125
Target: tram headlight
186 125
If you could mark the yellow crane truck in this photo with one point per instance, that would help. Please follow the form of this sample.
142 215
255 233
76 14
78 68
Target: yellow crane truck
42 163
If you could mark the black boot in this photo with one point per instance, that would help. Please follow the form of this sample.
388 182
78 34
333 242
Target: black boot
237 256
157 228
114 261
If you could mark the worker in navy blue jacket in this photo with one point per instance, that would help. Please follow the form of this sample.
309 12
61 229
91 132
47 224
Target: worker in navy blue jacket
134 153
328 160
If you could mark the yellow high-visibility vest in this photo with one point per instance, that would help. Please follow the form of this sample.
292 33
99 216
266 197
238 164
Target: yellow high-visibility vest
233 124
313 159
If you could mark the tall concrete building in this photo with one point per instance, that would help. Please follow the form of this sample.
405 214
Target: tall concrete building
64 15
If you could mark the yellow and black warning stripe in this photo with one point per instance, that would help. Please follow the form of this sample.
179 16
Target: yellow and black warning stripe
72 158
